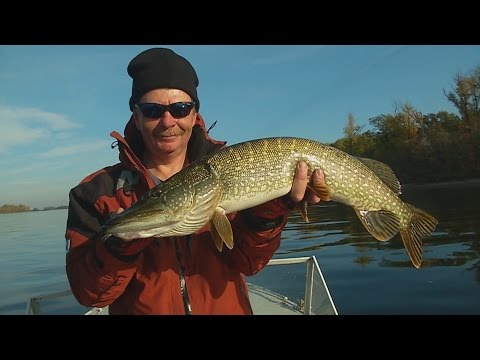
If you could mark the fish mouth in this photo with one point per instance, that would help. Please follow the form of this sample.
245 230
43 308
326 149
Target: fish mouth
140 231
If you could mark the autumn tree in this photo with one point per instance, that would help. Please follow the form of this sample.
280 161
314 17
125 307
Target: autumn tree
466 98
351 131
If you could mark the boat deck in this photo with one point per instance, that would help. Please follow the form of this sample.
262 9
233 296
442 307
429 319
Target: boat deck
316 299
267 302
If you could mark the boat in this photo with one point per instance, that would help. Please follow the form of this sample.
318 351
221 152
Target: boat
316 299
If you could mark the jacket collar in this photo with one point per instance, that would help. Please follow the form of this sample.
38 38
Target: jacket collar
131 145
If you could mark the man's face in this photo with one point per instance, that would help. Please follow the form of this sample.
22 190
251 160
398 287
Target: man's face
167 135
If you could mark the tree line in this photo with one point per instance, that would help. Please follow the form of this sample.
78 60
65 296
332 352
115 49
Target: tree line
424 147
9 208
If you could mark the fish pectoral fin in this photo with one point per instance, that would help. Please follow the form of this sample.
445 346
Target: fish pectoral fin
217 239
221 229
302 207
381 224
321 190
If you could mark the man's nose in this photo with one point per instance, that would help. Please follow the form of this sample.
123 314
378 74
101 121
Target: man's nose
167 120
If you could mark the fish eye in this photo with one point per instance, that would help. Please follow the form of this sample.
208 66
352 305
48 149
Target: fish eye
154 192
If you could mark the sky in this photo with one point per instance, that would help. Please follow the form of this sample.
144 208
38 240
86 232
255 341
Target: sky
59 103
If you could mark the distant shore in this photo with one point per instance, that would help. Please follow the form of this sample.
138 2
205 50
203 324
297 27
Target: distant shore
9 208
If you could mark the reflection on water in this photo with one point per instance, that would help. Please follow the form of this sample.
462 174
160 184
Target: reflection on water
455 241
357 266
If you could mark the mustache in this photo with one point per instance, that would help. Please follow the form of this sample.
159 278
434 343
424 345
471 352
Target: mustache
169 132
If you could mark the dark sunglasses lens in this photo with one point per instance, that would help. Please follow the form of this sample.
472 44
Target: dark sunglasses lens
152 110
180 110
155 111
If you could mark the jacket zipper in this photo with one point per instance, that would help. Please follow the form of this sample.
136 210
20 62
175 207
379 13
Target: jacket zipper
245 297
183 284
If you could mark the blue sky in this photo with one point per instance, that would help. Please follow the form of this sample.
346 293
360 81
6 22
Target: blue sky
58 104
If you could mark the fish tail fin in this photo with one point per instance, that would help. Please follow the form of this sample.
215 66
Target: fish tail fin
421 225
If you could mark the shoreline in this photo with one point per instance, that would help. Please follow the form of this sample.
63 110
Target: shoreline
34 210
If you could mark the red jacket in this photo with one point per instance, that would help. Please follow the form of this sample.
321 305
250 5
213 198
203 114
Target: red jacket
175 275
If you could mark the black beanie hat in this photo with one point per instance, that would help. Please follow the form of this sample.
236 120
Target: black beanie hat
161 68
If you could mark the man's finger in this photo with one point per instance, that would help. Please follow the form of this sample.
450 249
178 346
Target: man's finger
318 181
113 214
317 177
299 182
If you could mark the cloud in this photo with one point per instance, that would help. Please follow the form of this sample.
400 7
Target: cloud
23 126
12 169
18 134
75 149
34 115
58 159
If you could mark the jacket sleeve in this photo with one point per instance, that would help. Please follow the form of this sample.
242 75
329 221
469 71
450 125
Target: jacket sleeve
257 233
98 272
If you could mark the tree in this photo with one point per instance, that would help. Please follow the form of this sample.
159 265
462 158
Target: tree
466 98
9 208
351 131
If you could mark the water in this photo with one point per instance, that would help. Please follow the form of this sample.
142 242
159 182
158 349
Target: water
364 276
32 257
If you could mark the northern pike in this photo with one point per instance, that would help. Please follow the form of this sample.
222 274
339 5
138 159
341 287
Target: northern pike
251 173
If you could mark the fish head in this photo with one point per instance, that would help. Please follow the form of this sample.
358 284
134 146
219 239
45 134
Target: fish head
157 213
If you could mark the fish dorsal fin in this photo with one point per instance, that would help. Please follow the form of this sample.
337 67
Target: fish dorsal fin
221 229
382 224
384 172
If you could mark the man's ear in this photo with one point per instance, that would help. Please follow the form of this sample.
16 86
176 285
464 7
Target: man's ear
195 118
136 119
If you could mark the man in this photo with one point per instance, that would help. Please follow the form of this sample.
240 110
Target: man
176 275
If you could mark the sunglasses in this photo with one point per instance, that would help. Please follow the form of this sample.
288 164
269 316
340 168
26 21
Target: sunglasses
177 110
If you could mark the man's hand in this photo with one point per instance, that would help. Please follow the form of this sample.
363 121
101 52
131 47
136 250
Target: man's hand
126 250
299 189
